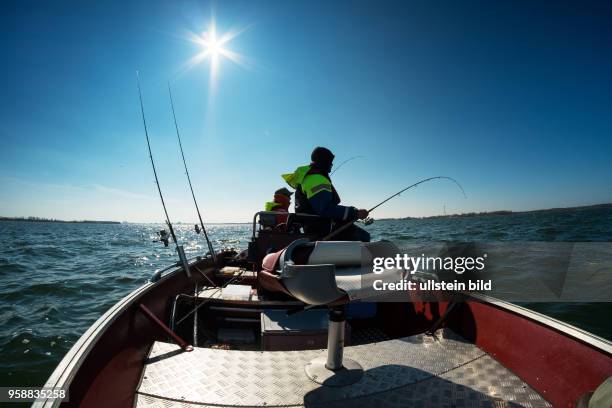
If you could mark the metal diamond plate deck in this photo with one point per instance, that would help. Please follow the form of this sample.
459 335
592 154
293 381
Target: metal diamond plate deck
412 371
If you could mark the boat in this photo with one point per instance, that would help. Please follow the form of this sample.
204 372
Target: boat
285 325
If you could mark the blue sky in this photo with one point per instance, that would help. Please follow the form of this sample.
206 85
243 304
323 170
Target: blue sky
513 99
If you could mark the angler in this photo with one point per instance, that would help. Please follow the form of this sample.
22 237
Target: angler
280 203
316 195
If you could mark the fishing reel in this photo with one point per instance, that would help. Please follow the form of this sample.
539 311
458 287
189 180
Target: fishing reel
196 227
163 237
368 221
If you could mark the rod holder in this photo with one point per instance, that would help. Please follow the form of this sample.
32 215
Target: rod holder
183 259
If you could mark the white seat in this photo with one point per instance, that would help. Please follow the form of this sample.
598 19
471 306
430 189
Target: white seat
334 269
339 253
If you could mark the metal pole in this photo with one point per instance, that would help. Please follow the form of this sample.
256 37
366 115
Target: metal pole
195 317
182 343
335 338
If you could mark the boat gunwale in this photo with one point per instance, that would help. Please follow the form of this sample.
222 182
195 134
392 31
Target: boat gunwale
565 328
64 373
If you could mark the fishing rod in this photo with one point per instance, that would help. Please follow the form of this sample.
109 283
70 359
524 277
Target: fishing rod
210 247
347 225
416 184
344 162
179 248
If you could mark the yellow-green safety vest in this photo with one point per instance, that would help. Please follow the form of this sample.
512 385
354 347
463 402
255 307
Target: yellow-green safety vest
311 183
271 205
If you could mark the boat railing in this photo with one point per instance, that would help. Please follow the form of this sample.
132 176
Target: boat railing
274 213
158 273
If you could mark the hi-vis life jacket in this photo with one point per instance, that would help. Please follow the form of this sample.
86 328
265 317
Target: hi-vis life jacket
308 184
281 204
271 205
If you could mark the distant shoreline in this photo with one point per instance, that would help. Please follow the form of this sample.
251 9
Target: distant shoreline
462 215
505 212
38 219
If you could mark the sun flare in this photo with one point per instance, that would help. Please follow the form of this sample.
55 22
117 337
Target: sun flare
213 48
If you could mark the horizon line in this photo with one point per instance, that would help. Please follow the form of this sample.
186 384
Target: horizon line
489 212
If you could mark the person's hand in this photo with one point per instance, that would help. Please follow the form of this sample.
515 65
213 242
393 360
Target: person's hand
362 214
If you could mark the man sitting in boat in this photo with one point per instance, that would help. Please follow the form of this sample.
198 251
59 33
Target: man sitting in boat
315 194
280 203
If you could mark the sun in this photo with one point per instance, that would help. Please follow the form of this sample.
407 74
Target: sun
211 45
214 48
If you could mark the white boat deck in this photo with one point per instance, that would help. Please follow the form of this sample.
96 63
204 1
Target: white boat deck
420 371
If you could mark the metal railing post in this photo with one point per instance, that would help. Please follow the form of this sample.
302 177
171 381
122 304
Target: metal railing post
182 343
